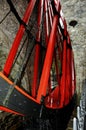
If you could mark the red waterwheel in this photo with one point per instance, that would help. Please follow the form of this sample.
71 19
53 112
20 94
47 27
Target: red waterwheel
48 44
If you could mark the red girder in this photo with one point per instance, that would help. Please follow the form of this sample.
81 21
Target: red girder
48 61
19 35
37 49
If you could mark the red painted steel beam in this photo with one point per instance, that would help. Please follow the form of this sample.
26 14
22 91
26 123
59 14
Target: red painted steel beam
64 68
68 89
70 67
73 76
57 69
52 99
9 111
37 49
48 61
16 43
50 13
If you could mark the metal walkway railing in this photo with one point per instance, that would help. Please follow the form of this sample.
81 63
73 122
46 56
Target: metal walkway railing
79 121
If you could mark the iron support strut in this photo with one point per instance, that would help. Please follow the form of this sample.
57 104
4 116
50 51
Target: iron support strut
48 61
16 43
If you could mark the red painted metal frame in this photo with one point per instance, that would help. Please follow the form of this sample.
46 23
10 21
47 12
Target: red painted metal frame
63 92
58 35
48 61
47 23
37 50
53 96
73 75
66 88
64 69
10 111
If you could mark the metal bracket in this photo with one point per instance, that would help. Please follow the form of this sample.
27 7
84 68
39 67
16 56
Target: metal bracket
16 100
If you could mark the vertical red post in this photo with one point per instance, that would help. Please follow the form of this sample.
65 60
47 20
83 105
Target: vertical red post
48 61
37 49
64 67
73 76
57 69
68 73
50 12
